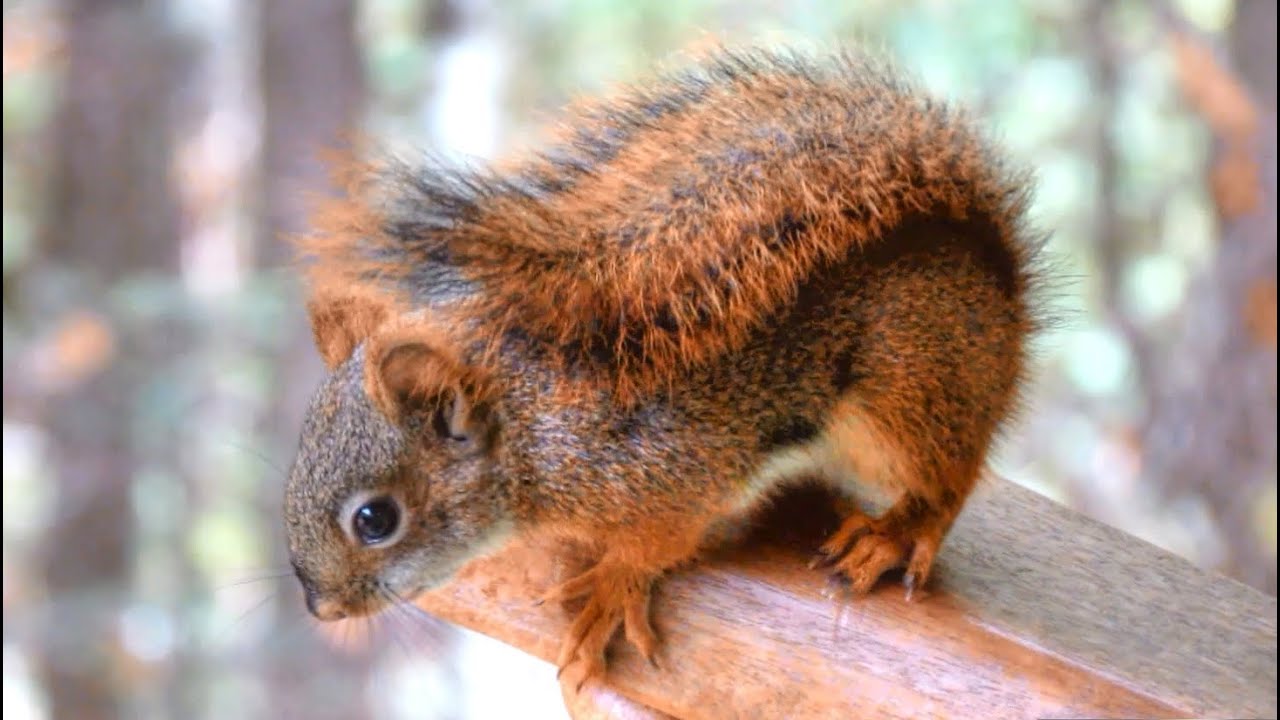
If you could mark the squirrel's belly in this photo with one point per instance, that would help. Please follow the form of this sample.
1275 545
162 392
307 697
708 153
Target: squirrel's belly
786 465
851 447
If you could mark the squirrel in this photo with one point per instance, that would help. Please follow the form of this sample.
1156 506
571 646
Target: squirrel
764 268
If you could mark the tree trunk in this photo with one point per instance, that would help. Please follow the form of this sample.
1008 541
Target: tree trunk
112 214
1212 428
313 96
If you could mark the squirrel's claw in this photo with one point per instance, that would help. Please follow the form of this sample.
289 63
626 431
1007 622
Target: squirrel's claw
579 586
920 564
589 625
639 632
618 597
909 582
865 548
835 549
821 561
579 672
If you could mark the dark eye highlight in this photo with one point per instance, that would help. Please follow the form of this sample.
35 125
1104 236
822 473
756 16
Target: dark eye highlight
376 520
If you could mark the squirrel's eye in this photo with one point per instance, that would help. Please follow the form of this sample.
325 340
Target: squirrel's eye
376 520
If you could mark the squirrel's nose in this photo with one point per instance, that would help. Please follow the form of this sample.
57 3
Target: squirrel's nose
323 608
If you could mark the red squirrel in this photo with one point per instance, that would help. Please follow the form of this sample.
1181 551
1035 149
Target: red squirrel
764 268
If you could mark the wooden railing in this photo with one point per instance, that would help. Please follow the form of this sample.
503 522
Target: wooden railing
1034 612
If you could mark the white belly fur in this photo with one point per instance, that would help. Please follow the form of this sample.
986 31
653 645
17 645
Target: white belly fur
850 450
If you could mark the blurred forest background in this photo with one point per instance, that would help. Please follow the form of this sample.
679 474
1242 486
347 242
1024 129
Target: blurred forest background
156 355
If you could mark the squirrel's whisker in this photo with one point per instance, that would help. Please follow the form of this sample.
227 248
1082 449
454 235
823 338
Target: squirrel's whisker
259 455
425 618
432 630
395 613
249 581
245 614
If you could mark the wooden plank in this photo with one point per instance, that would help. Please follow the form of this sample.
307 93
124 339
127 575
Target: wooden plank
1034 611
603 702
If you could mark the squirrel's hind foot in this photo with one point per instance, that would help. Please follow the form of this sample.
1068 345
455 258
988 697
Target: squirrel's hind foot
617 596
865 548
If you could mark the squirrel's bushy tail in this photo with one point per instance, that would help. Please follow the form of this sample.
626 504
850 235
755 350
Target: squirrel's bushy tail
669 222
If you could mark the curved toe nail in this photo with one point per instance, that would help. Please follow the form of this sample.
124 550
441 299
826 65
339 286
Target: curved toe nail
822 560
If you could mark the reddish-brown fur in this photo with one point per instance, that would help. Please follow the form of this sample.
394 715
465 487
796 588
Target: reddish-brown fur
720 275
617 249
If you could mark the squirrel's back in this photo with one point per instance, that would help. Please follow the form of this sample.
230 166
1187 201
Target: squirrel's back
669 223
911 355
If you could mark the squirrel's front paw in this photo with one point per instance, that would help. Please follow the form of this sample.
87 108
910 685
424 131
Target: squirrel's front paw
616 596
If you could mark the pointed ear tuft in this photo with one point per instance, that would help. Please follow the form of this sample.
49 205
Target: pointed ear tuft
340 323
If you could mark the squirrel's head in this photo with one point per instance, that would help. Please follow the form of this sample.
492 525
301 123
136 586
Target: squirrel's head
395 484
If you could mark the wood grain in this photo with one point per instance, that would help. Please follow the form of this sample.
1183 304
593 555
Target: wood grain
604 702
1034 611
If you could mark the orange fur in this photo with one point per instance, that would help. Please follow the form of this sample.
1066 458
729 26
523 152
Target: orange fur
340 322
616 249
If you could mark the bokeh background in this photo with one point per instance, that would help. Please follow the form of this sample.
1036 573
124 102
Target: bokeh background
156 356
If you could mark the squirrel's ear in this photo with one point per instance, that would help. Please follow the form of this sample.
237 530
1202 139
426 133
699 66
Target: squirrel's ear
407 375
399 372
339 324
